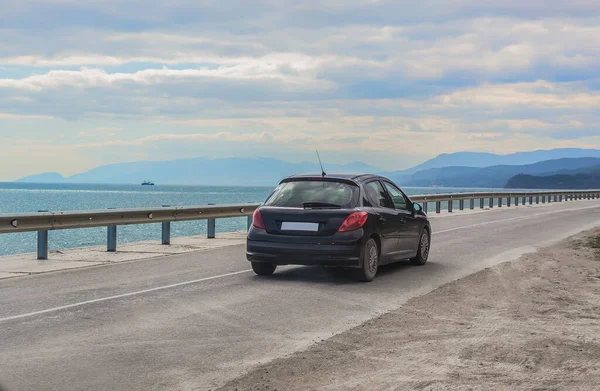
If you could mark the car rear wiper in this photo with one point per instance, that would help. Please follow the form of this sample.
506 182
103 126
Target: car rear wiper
316 204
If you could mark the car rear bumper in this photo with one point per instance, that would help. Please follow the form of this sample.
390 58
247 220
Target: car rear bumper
304 254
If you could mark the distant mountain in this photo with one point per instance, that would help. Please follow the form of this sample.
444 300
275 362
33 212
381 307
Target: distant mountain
477 159
580 179
463 169
200 171
47 177
492 177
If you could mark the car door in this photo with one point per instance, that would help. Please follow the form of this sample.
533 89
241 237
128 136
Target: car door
410 225
387 223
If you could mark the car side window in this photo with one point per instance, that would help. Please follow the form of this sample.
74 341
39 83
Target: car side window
397 196
376 195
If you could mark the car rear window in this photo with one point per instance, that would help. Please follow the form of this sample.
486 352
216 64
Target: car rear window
297 194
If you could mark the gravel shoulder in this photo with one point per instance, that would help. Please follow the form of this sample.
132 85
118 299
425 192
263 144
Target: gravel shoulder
532 324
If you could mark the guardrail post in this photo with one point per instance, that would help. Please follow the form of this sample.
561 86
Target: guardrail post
472 202
450 202
461 204
42 242
42 245
248 222
499 202
211 229
482 203
111 242
425 206
537 199
438 207
516 201
560 198
491 202
508 201
166 232
543 199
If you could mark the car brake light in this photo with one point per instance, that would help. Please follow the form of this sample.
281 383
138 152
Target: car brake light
353 222
257 220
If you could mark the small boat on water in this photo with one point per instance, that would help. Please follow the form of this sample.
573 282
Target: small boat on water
147 183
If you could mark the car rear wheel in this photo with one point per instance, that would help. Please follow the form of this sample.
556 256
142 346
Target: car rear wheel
423 251
263 269
370 261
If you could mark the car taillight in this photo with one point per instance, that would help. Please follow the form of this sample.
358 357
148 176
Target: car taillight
353 222
257 220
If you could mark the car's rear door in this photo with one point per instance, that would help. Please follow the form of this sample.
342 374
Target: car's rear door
387 222
411 226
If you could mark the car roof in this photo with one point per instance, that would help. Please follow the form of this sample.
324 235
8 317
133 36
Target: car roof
358 178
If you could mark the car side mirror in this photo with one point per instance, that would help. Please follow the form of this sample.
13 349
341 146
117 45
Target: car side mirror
417 207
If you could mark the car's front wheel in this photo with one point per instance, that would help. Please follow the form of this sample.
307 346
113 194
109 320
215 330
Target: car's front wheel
423 251
370 261
263 269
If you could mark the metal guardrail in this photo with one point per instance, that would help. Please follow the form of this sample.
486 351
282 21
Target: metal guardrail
524 197
44 221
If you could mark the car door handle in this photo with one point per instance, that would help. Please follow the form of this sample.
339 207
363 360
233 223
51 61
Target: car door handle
403 220
382 220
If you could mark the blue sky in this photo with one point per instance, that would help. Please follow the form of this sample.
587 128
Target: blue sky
391 83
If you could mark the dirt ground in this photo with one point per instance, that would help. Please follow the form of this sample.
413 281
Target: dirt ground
532 324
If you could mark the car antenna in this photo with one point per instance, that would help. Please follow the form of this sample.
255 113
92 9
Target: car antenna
323 173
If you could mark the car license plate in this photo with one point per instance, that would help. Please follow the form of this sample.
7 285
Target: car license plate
294 226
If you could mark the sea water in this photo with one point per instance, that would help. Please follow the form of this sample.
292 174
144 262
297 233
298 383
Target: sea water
29 197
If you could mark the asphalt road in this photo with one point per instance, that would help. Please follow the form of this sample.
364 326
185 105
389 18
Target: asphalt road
194 321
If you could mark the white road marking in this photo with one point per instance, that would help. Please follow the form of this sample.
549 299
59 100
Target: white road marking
512 219
64 307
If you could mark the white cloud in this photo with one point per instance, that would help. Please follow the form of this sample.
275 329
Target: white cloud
539 94
88 77
24 116
287 76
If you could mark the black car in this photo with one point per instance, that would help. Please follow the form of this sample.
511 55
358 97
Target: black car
356 221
